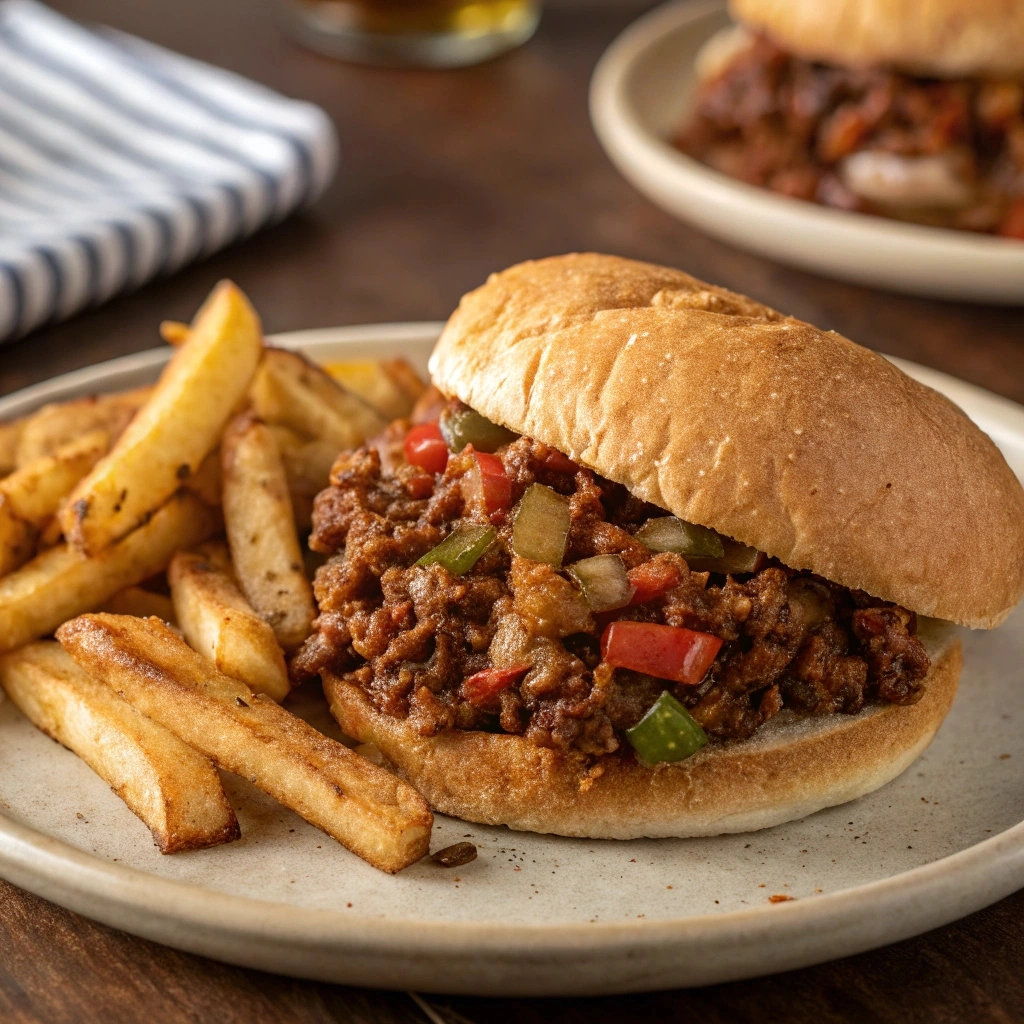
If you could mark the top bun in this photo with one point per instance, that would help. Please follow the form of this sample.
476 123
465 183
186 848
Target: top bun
942 38
785 437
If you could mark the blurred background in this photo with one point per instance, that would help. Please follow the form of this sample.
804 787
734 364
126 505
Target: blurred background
446 175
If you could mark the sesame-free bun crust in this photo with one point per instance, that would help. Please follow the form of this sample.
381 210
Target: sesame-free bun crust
791 767
944 38
788 438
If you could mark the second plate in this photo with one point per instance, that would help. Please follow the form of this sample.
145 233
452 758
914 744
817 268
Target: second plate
638 97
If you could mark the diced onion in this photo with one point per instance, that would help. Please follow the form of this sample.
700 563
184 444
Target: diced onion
541 527
667 533
891 179
603 581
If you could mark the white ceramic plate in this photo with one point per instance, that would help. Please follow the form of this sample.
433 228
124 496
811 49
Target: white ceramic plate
638 96
539 914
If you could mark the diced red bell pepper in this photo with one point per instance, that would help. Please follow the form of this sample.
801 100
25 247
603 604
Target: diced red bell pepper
425 447
481 688
488 480
652 579
666 652
559 463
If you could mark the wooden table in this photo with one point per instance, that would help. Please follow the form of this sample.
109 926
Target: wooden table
445 177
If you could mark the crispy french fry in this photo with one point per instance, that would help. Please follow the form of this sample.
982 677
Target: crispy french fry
55 425
51 534
31 496
140 602
174 332
205 482
402 373
307 464
62 582
371 381
260 525
35 491
289 389
307 467
365 808
174 789
219 623
10 438
176 429
17 540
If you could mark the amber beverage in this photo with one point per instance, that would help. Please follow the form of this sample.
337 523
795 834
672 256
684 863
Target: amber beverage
432 33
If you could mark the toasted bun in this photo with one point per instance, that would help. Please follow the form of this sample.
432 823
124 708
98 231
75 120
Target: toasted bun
944 38
791 767
782 436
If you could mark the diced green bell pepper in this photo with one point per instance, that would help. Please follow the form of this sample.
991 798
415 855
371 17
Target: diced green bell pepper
668 732
461 549
466 426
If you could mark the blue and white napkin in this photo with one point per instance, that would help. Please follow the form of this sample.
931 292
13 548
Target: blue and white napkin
120 161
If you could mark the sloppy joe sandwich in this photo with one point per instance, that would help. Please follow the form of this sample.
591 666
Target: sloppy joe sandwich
655 560
893 107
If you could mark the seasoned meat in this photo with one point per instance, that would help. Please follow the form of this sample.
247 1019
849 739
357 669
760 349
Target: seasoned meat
944 152
512 645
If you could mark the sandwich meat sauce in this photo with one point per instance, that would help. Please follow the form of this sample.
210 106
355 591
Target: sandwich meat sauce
479 580
946 152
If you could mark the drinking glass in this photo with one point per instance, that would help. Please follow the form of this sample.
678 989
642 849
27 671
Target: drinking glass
430 33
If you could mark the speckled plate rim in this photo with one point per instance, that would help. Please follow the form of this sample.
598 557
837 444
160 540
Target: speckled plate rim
495 958
870 250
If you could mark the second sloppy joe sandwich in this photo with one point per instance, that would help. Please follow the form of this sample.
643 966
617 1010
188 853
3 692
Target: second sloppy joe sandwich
657 561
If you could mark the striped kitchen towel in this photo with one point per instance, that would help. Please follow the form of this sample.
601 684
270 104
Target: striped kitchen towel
120 161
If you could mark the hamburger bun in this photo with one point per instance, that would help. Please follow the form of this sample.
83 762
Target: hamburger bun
791 767
940 38
785 437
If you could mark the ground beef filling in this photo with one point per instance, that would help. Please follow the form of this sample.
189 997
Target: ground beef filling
787 124
411 635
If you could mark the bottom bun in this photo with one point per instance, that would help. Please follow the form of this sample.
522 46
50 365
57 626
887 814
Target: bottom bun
791 767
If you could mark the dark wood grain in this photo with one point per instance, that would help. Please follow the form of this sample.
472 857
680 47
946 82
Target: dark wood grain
445 177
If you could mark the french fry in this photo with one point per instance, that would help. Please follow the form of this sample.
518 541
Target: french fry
174 332
387 385
205 482
140 602
62 582
10 438
406 378
34 492
17 541
260 526
175 430
31 496
365 808
307 467
174 789
307 464
289 389
51 534
62 422
219 623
